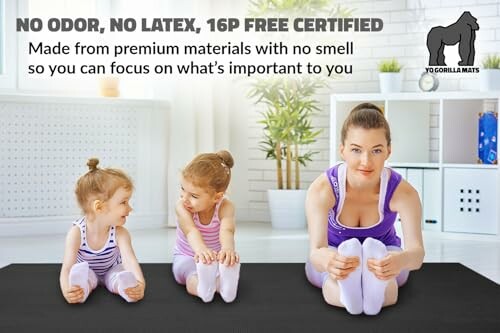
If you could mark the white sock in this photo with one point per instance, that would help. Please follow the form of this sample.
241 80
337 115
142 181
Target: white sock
125 280
228 278
207 276
79 276
351 294
373 288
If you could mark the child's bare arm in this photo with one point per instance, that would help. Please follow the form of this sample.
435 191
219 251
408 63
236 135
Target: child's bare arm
130 263
72 294
227 254
193 235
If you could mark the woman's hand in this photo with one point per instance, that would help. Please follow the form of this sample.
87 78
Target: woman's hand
136 293
205 255
74 294
386 268
228 257
340 267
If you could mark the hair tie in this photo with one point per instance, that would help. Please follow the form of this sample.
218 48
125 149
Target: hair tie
225 167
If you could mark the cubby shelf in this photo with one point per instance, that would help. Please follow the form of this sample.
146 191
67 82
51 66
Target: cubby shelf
434 146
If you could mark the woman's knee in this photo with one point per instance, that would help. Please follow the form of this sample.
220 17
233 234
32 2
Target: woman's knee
331 293
391 293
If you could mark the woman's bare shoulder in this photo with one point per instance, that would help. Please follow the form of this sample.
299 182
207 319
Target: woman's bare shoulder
321 190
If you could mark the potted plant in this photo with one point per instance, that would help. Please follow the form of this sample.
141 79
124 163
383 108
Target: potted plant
490 74
390 76
289 106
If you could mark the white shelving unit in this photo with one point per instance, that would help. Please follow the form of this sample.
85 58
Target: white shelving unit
434 146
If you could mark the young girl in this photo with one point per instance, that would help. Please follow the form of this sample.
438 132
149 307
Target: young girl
355 254
98 248
204 256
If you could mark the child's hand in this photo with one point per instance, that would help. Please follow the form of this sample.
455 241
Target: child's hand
136 293
228 257
206 256
73 294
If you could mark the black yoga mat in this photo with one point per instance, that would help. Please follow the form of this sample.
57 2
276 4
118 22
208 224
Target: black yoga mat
271 298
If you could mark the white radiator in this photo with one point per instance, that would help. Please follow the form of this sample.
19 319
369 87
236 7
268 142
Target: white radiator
46 141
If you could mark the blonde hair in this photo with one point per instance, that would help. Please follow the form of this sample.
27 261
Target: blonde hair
211 170
99 184
367 116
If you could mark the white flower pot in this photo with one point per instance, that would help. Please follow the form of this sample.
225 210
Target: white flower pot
287 208
390 82
489 79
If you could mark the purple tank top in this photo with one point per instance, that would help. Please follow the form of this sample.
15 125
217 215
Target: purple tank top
383 231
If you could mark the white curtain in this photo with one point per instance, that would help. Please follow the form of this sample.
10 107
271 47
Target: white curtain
199 122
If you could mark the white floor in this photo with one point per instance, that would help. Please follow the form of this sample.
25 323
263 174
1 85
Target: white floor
258 242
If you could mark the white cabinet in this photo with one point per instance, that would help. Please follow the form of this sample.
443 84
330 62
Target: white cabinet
434 147
471 200
431 200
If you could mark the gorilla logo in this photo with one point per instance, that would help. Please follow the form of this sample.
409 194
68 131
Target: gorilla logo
463 32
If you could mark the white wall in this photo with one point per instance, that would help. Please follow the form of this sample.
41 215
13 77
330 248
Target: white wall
207 115
406 24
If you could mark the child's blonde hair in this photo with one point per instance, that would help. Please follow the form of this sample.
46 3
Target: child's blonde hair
211 170
367 116
99 184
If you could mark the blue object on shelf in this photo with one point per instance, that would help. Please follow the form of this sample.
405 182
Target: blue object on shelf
487 148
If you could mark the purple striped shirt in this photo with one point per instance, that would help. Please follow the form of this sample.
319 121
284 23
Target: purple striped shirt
209 233
100 261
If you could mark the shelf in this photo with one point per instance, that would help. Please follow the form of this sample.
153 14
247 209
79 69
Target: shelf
435 148
470 166
413 165
435 165
406 96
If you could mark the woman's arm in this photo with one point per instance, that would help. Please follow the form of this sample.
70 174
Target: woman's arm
193 235
319 201
227 254
406 202
71 294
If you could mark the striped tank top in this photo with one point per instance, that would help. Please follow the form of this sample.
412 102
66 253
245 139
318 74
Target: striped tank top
100 261
209 233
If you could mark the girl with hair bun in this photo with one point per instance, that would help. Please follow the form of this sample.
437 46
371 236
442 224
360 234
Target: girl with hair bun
205 260
98 248
356 257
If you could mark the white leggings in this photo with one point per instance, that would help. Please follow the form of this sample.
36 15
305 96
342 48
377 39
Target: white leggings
183 267
108 279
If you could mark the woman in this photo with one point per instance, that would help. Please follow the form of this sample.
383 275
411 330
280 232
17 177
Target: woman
355 254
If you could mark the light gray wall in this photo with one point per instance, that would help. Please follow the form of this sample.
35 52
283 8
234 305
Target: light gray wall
406 24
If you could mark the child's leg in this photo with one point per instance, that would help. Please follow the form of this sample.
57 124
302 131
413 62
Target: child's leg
228 279
117 279
207 277
374 289
183 267
197 281
81 275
